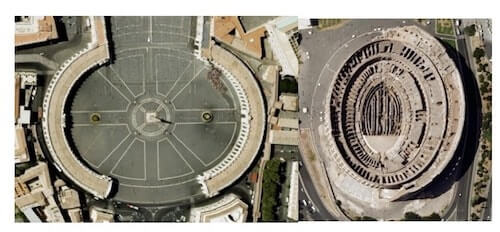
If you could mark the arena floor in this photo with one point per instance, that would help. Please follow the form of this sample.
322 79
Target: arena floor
139 119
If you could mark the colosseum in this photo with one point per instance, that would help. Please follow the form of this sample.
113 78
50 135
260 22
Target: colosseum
396 113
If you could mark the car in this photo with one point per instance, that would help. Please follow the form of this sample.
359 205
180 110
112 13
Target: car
125 218
304 202
460 195
304 110
427 22
133 207
33 94
457 22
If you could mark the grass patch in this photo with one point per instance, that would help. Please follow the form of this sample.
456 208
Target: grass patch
444 27
328 23
19 216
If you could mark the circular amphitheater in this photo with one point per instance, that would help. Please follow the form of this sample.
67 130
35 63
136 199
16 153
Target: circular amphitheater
158 124
396 110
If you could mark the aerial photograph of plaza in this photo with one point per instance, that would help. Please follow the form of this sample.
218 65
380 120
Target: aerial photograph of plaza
252 119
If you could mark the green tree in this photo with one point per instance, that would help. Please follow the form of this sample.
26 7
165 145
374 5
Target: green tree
433 217
470 30
270 184
365 218
478 53
411 216
478 200
288 85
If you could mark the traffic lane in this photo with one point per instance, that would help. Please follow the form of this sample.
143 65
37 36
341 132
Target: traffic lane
306 212
461 202
307 188
463 51
463 196
312 205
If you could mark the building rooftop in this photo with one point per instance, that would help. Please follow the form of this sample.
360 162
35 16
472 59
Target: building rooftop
290 101
228 209
283 137
21 151
35 29
101 215
68 198
229 30
293 196
34 189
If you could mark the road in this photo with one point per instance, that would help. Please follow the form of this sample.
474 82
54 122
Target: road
462 201
460 209
308 193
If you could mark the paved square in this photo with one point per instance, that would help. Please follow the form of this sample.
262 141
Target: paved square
153 101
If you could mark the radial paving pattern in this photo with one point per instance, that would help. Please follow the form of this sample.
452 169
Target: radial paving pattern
142 120
396 109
